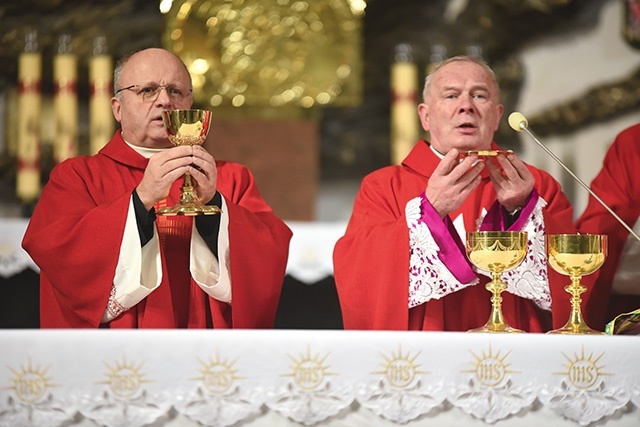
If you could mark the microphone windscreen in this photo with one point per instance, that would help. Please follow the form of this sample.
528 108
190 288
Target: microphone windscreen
518 121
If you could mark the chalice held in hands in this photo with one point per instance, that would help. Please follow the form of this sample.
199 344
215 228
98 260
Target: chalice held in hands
188 127
496 252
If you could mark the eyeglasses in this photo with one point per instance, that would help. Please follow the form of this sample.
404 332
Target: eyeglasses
151 92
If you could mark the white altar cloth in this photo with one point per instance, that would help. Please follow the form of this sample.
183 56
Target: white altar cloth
327 378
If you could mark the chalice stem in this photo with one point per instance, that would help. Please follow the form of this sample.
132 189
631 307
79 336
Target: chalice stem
576 289
575 324
496 311
187 193
496 287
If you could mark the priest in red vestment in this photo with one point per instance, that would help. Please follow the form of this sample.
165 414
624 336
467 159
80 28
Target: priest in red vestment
617 184
107 260
401 264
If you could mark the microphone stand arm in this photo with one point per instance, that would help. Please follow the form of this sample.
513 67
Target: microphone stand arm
586 187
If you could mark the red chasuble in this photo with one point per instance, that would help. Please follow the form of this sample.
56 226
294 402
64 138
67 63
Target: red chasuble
76 231
617 184
372 259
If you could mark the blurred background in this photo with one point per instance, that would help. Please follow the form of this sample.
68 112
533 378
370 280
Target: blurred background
305 89
311 94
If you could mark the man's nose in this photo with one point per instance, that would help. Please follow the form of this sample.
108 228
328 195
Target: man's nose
162 96
466 104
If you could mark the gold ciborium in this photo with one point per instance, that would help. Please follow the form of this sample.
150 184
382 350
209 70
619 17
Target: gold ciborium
496 252
576 255
188 127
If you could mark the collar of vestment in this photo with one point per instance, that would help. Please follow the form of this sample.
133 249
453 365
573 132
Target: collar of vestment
118 150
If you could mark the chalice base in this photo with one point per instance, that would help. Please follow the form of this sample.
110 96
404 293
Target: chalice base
497 327
192 209
575 329
189 204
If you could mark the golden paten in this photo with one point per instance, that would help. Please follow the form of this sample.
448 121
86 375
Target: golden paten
269 53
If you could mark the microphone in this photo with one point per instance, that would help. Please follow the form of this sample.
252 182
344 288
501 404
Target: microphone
519 123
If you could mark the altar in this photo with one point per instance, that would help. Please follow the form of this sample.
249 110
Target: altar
219 378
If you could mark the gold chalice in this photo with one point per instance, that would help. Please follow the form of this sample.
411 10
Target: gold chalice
576 255
188 127
496 252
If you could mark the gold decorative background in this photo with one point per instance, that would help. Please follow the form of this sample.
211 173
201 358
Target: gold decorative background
269 53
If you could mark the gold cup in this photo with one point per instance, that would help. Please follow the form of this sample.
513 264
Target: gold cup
188 127
576 255
496 252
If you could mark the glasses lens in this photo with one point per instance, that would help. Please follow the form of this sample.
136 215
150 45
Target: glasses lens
151 93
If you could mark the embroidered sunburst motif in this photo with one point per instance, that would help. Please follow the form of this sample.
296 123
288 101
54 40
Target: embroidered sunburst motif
400 369
583 371
124 378
308 371
490 368
31 382
218 375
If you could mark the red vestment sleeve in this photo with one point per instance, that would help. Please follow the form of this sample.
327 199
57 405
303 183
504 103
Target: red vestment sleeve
618 186
259 248
75 240
371 262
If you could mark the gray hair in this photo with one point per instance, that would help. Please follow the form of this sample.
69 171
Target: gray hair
117 70
460 58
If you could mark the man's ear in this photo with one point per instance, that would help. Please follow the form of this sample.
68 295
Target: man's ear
116 107
423 113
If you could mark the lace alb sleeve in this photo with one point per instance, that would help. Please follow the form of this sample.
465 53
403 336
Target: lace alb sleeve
429 277
530 279
138 272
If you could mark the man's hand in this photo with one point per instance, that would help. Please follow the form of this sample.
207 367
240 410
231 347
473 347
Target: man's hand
162 171
513 184
453 181
204 171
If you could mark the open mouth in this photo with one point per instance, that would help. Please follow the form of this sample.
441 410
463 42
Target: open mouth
467 126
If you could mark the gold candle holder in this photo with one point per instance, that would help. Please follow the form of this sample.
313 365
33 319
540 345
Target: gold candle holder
496 252
576 255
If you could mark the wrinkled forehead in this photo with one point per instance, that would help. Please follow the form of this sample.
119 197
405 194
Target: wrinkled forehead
464 74
159 67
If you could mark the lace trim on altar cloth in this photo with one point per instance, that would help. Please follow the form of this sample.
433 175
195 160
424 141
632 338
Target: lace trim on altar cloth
530 279
429 278
587 384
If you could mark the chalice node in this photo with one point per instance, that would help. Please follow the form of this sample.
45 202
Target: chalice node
576 255
496 252
188 127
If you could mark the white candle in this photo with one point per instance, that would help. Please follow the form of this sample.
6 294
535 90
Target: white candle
101 121
404 114
29 108
65 106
